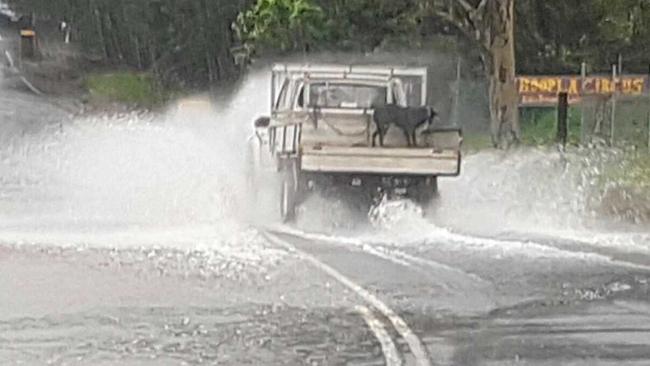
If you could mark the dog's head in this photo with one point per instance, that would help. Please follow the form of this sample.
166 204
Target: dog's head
432 115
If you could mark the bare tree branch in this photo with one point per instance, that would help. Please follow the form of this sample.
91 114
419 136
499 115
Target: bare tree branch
465 5
468 28
481 6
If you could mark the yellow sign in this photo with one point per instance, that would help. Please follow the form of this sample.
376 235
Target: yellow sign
27 33
545 89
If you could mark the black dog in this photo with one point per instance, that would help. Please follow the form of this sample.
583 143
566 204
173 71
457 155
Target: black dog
408 119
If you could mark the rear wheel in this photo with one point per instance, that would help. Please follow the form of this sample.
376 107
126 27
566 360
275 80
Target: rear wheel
287 207
426 192
289 192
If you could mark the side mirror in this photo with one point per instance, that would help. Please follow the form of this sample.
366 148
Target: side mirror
262 122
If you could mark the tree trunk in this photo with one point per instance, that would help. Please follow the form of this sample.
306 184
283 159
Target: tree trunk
501 69
100 32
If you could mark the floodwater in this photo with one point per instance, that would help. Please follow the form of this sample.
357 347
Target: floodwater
135 239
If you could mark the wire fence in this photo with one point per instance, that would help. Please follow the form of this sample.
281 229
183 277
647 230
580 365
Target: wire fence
616 121
612 109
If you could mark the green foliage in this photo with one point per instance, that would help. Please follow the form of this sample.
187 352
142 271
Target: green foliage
556 36
299 25
125 87
179 41
539 126
368 23
190 41
283 24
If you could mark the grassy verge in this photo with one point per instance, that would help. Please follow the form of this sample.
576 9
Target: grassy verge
139 89
539 126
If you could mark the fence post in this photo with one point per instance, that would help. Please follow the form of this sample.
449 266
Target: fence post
648 120
612 122
583 128
562 118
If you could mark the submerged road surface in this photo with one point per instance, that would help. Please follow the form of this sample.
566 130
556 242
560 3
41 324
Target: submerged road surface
322 300
124 241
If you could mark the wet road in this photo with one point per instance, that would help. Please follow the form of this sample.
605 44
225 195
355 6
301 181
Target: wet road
326 301
483 302
123 242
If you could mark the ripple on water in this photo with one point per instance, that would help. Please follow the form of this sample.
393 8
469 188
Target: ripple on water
249 334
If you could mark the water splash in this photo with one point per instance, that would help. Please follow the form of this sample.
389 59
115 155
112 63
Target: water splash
176 179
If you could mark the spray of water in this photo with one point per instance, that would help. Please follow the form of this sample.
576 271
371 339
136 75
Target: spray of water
136 179
181 180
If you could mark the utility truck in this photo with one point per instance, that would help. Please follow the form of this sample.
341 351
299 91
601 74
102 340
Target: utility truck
319 134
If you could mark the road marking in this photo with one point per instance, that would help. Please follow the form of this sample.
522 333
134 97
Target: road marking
414 343
411 260
30 86
564 253
560 252
388 348
392 255
9 59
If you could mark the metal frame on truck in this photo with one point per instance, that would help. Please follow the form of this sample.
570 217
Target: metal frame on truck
311 142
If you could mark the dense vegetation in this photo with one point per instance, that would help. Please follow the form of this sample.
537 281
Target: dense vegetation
178 41
553 36
202 42
191 40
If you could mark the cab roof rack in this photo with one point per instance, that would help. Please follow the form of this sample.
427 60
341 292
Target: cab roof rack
349 70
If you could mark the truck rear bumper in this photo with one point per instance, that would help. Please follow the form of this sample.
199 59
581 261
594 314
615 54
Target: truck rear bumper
376 160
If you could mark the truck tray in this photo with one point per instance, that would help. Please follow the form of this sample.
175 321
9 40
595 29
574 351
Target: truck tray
384 160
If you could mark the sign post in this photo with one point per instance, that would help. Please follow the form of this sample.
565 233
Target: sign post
583 128
562 118
612 121
27 43
648 118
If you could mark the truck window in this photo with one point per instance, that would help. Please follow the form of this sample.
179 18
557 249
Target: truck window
301 97
282 98
332 95
399 94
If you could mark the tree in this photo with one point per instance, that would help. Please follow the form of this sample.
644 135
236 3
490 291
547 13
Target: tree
491 25
283 25
179 41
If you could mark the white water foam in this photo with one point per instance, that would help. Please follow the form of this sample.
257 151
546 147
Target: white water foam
538 194
133 180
